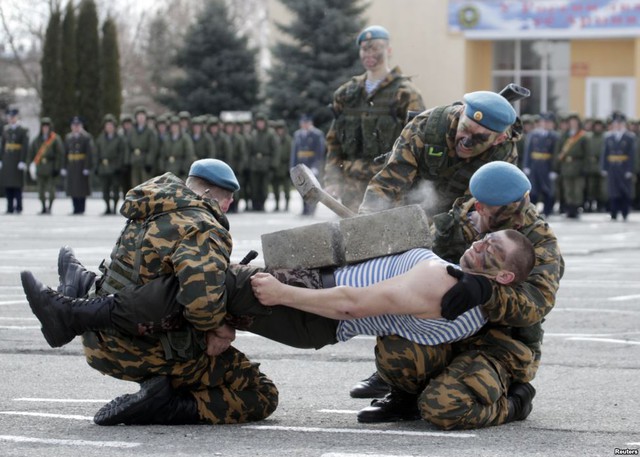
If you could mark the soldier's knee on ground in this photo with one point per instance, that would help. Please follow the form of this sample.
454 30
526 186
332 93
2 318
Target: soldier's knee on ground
466 395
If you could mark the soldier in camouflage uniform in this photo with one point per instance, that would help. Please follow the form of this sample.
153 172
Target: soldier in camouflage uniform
46 154
264 159
370 111
438 151
483 380
281 179
177 153
179 230
143 149
571 156
14 146
111 154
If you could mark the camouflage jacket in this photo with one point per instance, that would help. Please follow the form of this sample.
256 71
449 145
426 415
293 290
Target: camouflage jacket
514 312
366 125
425 151
176 232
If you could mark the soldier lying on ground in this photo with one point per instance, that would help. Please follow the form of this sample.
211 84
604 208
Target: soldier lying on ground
179 229
406 302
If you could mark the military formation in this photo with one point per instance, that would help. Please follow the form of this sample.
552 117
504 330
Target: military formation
581 165
131 150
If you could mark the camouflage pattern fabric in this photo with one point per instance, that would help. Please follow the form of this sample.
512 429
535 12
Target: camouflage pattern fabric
471 391
424 167
170 230
365 126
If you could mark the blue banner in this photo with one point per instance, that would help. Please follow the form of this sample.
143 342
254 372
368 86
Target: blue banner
567 16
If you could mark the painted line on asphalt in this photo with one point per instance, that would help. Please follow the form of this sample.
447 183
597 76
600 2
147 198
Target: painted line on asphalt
55 416
27 439
18 319
589 335
13 302
606 340
337 411
19 327
596 310
624 298
634 444
350 454
359 431
61 400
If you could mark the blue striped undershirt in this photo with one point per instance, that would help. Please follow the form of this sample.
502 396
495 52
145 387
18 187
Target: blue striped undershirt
429 332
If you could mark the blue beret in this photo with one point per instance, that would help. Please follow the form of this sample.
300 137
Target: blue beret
216 172
499 183
490 110
373 32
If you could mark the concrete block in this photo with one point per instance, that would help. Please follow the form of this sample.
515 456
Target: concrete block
310 246
386 232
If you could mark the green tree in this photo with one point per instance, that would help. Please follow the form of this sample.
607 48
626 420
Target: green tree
219 69
52 70
88 61
68 70
318 57
110 61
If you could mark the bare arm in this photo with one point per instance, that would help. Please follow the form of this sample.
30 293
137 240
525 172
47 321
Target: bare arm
417 292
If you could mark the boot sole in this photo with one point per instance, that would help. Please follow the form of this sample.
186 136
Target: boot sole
124 409
49 324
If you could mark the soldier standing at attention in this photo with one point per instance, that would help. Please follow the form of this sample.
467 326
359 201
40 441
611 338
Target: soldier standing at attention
143 148
238 155
111 152
370 111
177 151
45 161
309 149
572 153
281 179
220 139
13 161
595 194
617 163
203 145
77 164
538 162
263 161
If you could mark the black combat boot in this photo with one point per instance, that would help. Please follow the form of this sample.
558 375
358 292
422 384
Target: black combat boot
395 406
62 317
372 387
520 398
155 403
75 279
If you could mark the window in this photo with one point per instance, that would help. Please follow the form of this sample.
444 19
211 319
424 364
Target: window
542 66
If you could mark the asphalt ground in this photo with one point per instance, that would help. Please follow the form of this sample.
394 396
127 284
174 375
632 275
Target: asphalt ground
588 385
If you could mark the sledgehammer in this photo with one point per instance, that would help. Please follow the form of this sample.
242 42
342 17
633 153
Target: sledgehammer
312 192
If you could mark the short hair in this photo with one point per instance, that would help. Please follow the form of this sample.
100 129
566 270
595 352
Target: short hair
524 260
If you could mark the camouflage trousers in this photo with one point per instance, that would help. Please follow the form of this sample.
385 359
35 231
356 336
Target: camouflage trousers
456 389
228 389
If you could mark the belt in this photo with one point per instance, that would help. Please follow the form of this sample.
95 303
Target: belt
327 278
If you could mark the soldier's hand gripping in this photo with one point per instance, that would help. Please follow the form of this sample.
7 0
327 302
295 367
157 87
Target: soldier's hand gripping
220 339
267 289
470 291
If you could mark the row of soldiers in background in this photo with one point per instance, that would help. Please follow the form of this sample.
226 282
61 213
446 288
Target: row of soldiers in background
125 155
585 166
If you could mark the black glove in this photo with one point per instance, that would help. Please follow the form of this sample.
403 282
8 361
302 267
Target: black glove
471 291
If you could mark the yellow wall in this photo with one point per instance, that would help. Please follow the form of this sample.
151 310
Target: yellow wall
479 57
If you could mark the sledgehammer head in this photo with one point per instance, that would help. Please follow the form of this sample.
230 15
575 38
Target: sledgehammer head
306 182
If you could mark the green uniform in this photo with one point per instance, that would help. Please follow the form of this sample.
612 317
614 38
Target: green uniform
78 161
464 384
177 155
570 160
203 146
46 154
111 154
143 149
425 152
170 230
281 180
222 146
14 146
596 184
239 159
365 126
264 158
